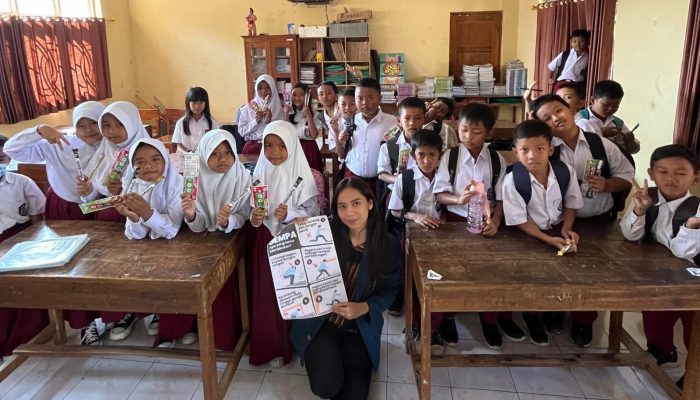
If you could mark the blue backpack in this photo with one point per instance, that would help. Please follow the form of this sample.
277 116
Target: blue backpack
521 179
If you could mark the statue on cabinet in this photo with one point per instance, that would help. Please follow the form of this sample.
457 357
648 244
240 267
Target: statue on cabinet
251 18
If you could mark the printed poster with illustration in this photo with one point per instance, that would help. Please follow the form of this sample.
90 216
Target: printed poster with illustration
305 269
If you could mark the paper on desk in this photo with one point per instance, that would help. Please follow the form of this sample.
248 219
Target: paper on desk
694 271
434 276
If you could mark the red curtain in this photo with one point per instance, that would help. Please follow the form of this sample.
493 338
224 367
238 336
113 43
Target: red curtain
687 129
600 20
62 62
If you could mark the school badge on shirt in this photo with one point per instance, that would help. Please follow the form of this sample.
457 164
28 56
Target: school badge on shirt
23 210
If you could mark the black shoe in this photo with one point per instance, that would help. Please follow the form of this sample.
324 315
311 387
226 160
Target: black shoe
415 332
680 382
664 358
437 343
538 336
510 330
448 331
581 334
396 308
553 322
492 335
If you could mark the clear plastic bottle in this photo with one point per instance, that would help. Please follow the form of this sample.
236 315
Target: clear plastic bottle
475 214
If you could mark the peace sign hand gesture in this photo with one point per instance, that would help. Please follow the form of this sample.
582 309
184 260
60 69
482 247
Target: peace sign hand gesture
641 198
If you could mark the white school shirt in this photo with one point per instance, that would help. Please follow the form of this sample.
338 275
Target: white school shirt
21 198
197 130
424 201
573 69
248 127
468 168
595 124
546 207
384 161
329 129
368 136
61 166
620 167
685 245
301 125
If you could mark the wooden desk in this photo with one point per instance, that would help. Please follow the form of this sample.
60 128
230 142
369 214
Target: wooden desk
112 273
514 272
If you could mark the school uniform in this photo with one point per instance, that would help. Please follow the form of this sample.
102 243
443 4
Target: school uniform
362 158
596 125
197 130
574 68
469 168
268 332
620 167
21 198
308 145
384 161
62 198
325 121
447 134
658 325
248 127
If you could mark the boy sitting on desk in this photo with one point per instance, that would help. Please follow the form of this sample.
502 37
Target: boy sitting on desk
667 214
538 195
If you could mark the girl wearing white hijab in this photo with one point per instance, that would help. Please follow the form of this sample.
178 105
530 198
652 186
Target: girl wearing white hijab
44 143
222 180
252 122
281 163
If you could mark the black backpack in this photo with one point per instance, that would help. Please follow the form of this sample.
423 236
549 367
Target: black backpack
397 225
686 210
383 191
521 179
495 168
595 143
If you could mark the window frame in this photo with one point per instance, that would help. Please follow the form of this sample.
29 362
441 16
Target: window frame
56 8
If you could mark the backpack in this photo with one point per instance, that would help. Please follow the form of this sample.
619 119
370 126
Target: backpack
521 179
619 123
595 144
495 168
397 225
383 191
562 63
686 210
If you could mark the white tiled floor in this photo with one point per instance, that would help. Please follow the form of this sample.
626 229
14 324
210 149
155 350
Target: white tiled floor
146 378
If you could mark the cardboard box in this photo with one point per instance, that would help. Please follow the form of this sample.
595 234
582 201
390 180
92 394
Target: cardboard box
354 15
351 29
313 31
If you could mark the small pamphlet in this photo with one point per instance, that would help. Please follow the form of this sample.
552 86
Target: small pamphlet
121 162
42 253
260 199
305 269
190 174
98 205
255 106
593 168
403 159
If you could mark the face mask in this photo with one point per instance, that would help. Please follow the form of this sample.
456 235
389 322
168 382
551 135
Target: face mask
3 170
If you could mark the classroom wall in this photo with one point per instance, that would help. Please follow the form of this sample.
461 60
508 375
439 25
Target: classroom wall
527 32
120 66
201 45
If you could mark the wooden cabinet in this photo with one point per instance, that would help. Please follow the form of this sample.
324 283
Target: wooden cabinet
275 55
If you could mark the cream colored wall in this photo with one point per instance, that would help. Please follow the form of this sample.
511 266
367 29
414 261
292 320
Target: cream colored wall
201 45
527 32
120 66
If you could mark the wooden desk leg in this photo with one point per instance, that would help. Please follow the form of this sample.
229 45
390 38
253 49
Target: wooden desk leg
691 387
425 372
408 303
615 331
207 352
56 317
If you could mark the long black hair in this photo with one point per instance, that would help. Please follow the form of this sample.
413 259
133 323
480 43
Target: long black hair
295 110
376 243
196 94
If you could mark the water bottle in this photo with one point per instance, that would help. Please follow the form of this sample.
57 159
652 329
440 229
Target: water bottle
475 214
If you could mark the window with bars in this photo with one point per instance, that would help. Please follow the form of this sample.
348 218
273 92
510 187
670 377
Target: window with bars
52 8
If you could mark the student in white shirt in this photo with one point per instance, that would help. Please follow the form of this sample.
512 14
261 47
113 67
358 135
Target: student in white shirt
196 122
327 93
571 65
343 121
255 115
43 143
536 199
653 214
307 124
411 119
437 111
361 151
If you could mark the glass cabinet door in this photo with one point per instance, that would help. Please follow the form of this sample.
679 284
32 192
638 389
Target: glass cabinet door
258 58
283 61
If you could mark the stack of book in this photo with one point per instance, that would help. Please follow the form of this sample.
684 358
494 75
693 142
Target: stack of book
338 51
358 51
443 86
404 90
388 94
486 79
516 78
470 80
307 74
335 73
426 90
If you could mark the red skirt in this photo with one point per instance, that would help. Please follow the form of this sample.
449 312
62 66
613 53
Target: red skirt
312 153
110 214
18 325
252 147
269 333
59 209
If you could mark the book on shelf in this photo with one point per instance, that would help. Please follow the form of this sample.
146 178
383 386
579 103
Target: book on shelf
38 254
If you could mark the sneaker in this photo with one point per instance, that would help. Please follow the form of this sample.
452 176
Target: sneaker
538 336
511 330
189 338
396 308
437 343
277 362
154 325
166 345
669 359
90 336
493 337
448 331
680 382
123 328
553 322
581 334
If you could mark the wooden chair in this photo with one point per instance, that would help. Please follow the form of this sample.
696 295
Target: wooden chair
151 116
171 117
167 141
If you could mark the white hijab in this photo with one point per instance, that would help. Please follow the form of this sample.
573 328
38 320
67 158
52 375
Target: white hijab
215 189
274 103
128 115
89 109
164 195
281 178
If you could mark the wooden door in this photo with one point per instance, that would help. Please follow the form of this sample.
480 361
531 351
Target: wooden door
475 38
